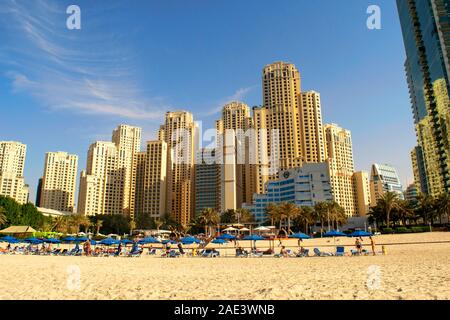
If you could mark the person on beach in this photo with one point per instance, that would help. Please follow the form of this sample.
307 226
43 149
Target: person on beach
87 249
180 248
372 243
283 252
358 246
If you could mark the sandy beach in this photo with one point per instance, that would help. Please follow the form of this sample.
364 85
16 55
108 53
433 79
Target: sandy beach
408 271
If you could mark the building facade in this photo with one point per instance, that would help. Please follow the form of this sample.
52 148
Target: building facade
384 178
236 156
59 181
207 178
106 184
12 164
426 34
361 184
150 169
180 133
304 186
340 156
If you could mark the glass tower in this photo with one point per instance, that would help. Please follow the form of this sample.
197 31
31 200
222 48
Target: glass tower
426 34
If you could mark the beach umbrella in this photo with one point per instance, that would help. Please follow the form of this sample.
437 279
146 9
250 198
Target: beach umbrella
253 237
261 229
109 242
82 239
126 241
230 229
148 240
360 233
226 236
69 239
169 241
189 240
52 240
9 239
219 241
299 235
244 229
334 233
93 242
33 240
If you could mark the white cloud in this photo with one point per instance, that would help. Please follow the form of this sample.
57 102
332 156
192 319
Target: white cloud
64 70
238 96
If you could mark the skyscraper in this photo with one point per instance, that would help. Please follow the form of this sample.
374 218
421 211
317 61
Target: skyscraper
384 178
207 178
236 147
106 185
313 142
362 193
151 183
340 157
180 133
426 34
59 181
280 112
12 163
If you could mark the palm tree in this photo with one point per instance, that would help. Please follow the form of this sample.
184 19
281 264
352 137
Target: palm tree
243 216
132 226
158 223
2 216
388 202
426 207
98 225
336 213
442 206
273 211
290 211
208 217
321 213
305 218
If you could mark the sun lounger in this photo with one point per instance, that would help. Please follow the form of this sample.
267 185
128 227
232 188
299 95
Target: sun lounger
152 252
305 253
340 251
319 253
135 254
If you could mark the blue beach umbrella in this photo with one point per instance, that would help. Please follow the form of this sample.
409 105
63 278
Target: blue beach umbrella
109 242
299 235
334 233
69 239
126 241
82 239
360 233
226 236
52 240
33 240
169 241
189 240
219 241
253 237
9 239
148 240
93 242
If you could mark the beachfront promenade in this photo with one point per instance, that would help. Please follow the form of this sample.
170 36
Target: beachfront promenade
415 266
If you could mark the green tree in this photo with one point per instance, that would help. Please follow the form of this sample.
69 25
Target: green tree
3 219
304 219
442 206
273 212
289 211
321 212
426 208
387 203
208 218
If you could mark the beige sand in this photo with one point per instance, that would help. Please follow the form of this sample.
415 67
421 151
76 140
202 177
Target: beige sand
408 271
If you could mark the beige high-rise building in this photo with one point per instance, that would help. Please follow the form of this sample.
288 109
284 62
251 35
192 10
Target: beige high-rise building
59 181
180 133
340 156
237 153
150 167
280 112
313 142
362 193
106 185
128 141
12 163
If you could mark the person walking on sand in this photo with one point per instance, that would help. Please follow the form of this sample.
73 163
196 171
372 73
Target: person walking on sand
358 246
372 243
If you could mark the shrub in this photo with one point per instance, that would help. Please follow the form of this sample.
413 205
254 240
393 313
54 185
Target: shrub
387 231
417 229
402 230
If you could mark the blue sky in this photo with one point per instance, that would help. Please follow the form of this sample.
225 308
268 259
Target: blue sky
61 90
